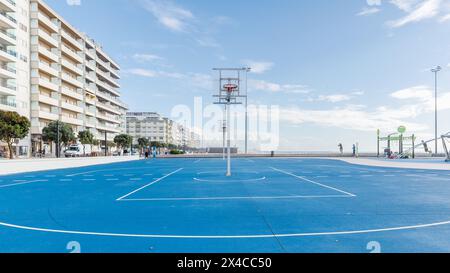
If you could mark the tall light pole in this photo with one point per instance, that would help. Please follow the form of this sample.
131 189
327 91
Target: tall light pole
435 71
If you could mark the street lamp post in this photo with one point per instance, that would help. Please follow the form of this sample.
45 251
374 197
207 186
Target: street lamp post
435 71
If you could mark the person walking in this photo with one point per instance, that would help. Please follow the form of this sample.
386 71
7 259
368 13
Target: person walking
341 148
354 150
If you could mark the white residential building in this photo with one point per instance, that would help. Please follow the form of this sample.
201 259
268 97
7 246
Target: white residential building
50 71
14 63
156 128
72 79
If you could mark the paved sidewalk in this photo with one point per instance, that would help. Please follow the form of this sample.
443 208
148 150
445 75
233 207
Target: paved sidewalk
32 165
408 164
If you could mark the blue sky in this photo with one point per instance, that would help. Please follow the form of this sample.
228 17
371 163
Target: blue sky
338 69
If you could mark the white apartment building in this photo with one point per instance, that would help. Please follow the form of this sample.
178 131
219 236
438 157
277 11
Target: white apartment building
50 71
72 79
14 63
154 127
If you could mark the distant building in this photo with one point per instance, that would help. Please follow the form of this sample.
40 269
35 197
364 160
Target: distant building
154 127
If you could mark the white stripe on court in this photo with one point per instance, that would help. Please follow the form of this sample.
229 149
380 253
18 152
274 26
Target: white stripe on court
260 236
238 198
313 182
23 183
148 185
104 170
226 181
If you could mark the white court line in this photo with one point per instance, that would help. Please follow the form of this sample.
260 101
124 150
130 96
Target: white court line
225 181
23 183
260 236
238 198
310 181
104 170
148 185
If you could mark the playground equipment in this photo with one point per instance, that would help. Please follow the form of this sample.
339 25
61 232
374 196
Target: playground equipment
405 144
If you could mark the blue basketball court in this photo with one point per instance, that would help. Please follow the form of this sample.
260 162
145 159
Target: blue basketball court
188 205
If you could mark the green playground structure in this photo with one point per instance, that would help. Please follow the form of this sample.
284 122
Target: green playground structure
405 144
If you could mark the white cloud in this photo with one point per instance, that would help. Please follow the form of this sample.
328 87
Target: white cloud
153 73
411 103
368 11
444 18
424 10
349 118
169 14
258 67
73 2
146 57
334 98
417 92
261 85
405 5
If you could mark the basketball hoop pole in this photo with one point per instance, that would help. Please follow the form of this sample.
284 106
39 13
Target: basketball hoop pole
229 94
228 141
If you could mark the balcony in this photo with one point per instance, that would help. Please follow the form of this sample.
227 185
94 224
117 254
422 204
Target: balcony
72 80
45 99
7 104
91 123
7 72
7 38
107 77
46 84
49 54
74 42
51 39
109 108
7 21
109 128
91 111
91 76
111 99
48 69
8 5
72 67
7 55
73 54
91 88
7 90
91 65
110 118
47 115
72 93
91 53
72 107
71 120
47 21
107 87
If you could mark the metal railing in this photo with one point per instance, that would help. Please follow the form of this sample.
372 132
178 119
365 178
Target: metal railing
7 102
12 19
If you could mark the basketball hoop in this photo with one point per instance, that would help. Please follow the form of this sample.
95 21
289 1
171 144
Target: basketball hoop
230 87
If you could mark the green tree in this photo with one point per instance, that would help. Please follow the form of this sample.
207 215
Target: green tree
13 126
123 141
142 143
66 135
86 138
